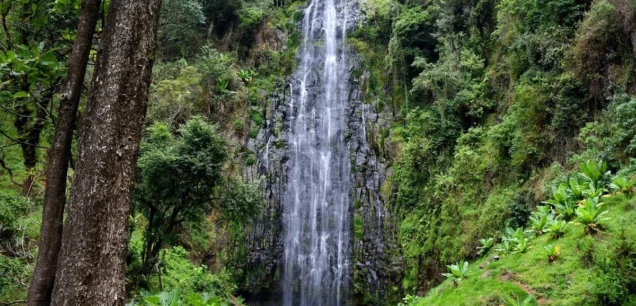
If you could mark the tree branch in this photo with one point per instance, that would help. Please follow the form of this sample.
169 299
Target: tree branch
13 303
4 165
22 142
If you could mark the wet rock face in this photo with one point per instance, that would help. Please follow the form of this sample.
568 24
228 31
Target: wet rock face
372 254
265 244
376 257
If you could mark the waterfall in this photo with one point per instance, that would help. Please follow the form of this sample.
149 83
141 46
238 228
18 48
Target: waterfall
316 203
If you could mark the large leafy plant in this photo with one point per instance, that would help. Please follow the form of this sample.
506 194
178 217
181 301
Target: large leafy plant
566 210
540 220
563 198
518 302
486 245
624 185
505 247
177 298
590 213
552 252
458 272
522 246
557 228
594 172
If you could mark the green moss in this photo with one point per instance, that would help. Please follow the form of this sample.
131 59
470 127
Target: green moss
358 227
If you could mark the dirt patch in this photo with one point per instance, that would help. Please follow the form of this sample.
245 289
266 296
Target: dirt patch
507 276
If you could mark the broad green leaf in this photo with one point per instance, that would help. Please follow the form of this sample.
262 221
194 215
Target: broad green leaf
20 94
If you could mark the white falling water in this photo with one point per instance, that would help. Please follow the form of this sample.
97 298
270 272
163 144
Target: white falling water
317 200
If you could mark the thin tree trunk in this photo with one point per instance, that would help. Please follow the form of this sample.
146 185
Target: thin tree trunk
29 129
92 259
59 156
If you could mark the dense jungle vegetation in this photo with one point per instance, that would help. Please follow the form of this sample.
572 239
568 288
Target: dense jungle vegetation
512 144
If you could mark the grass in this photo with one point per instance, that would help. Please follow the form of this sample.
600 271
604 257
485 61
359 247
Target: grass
567 281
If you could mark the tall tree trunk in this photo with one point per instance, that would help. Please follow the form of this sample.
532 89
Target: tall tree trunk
92 258
59 156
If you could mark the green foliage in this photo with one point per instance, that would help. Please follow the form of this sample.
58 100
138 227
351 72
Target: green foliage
246 76
12 206
594 172
624 185
184 283
176 181
552 252
215 65
20 220
174 101
180 273
14 272
615 262
257 118
458 272
565 210
563 199
557 228
33 63
611 137
529 300
576 188
251 16
521 246
240 201
486 245
540 220
591 214
179 26
505 247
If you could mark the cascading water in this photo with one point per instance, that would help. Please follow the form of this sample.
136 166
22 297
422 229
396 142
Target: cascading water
316 217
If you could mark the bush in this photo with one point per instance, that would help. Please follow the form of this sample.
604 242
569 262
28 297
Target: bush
591 214
458 272
552 252
12 207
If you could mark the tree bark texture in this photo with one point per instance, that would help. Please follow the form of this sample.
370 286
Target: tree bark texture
43 278
94 242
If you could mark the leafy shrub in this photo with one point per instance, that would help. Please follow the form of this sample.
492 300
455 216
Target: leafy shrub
594 172
246 75
175 182
529 300
552 252
257 117
624 185
515 234
174 100
238 124
590 214
614 262
458 272
176 298
505 247
486 245
566 210
251 17
557 228
12 206
521 246
179 273
539 220
576 187
14 272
